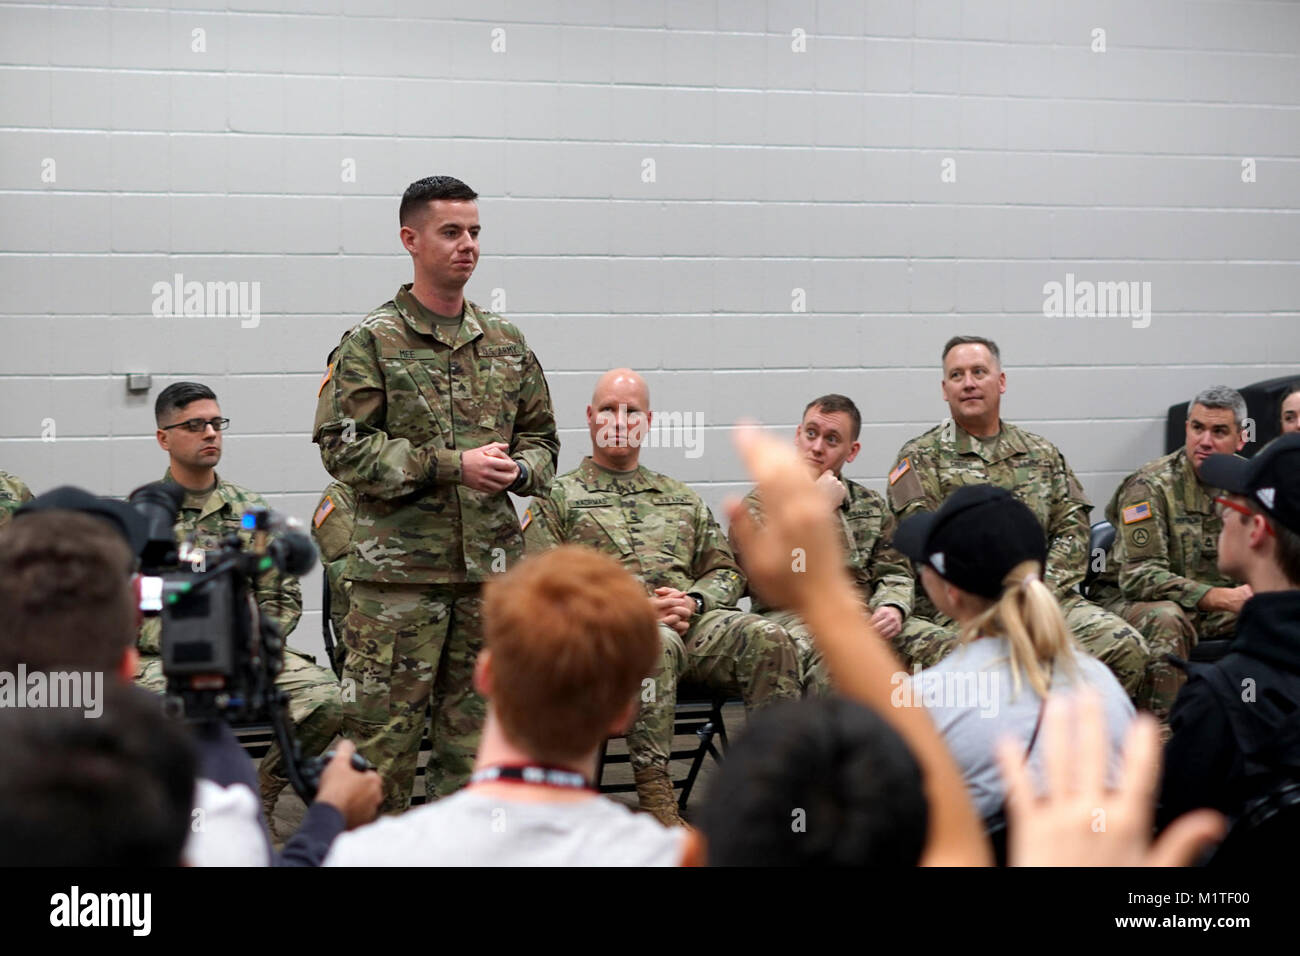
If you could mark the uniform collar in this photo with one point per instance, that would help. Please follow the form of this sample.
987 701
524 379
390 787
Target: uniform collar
215 501
596 478
470 327
1007 443
1198 497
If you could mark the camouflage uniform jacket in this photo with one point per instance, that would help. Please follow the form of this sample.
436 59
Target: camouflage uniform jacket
659 529
947 457
400 402
13 495
1166 533
205 521
882 575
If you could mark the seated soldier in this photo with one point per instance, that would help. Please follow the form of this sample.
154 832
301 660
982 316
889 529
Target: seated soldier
189 430
827 439
1161 575
661 531
13 495
976 447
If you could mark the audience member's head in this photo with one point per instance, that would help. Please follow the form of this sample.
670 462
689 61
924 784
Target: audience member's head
818 782
569 637
65 595
1289 410
115 790
981 558
1260 539
974 383
1216 418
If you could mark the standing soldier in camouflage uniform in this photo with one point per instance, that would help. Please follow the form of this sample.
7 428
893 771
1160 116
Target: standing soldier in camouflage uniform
977 447
189 430
331 528
827 439
13 495
1162 574
663 533
431 409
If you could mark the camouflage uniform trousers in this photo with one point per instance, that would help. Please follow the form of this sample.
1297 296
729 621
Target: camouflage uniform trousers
410 646
728 650
1168 628
314 709
1102 634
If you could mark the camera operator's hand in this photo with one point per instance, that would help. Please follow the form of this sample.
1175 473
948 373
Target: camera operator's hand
353 793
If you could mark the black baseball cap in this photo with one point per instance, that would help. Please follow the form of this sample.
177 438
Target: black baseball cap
126 521
978 535
1271 480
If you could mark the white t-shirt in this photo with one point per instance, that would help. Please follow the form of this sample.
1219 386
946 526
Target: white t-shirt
968 695
473 829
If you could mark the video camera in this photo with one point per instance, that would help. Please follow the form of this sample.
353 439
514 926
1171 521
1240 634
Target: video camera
220 655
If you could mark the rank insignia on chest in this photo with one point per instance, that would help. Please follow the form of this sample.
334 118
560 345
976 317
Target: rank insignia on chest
323 512
902 468
1138 512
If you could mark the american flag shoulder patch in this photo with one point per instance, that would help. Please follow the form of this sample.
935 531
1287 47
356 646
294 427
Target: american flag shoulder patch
325 379
528 519
1138 512
323 512
902 468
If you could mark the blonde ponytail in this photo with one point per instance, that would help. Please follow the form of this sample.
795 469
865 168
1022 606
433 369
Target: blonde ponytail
1028 616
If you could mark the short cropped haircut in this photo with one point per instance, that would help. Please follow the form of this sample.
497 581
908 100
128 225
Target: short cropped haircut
115 790
572 636
957 340
176 396
65 594
830 404
1221 396
817 782
423 191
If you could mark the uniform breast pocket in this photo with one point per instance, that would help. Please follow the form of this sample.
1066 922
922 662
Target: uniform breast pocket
414 400
864 529
501 376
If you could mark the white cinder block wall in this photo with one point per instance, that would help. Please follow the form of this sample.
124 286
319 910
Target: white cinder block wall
795 145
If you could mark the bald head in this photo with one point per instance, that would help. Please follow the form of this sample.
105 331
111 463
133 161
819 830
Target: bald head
623 381
618 419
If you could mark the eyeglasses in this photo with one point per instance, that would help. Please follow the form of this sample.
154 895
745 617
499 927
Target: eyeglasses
199 425
1223 504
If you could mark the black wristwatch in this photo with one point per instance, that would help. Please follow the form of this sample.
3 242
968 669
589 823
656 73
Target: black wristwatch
521 479
699 602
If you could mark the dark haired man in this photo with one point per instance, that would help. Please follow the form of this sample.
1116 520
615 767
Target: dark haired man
1236 723
827 440
431 409
190 429
976 447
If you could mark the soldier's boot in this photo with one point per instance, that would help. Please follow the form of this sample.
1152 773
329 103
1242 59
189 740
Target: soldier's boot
654 790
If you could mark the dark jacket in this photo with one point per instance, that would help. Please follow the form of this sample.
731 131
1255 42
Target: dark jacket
1236 723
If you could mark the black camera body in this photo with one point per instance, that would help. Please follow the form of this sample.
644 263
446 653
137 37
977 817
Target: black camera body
220 655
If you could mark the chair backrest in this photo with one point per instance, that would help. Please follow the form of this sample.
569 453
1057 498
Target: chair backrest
1101 536
1267 830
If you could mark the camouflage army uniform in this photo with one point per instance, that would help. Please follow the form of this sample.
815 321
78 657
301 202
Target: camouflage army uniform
405 394
947 457
883 578
662 532
331 528
13 495
1163 561
313 691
